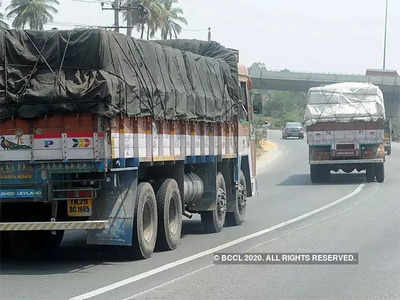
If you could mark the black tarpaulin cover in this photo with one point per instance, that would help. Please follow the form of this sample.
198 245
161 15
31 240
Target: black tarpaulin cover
45 72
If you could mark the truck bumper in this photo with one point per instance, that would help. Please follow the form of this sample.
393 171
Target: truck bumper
347 161
69 225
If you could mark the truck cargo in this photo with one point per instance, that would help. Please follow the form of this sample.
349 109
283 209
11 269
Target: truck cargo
121 137
345 130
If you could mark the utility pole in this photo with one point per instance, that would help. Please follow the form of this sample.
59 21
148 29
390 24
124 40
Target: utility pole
209 34
116 15
384 46
117 7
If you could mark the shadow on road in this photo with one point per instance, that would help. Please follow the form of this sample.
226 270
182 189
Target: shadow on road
342 179
73 256
192 227
66 259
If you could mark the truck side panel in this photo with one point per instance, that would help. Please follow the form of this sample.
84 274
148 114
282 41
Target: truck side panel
116 150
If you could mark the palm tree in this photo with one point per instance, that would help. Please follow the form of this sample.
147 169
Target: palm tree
133 19
131 16
3 25
35 13
170 19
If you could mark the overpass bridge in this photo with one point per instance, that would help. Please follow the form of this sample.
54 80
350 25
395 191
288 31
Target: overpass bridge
389 82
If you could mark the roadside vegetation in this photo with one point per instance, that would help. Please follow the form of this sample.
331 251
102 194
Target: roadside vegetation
276 107
279 107
31 13
165 18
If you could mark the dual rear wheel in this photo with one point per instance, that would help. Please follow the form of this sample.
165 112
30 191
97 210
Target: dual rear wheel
319 173
158 218
213 221
376 171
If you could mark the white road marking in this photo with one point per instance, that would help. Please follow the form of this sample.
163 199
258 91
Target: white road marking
182 261
347 210
168 282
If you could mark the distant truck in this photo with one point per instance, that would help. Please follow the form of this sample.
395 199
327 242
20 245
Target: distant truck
120 137
345 130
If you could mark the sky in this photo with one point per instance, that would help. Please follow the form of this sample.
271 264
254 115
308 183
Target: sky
330 36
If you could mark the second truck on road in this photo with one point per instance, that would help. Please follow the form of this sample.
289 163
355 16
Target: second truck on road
345 130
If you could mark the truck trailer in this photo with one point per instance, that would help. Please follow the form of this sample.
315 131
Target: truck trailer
345 130
121 137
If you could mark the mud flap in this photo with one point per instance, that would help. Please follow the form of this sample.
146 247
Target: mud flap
116 202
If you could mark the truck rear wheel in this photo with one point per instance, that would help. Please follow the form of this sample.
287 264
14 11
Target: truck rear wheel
49 239
145 222
238 215
370 173
169 206
314 174
380 173
3 244
214 220
319 173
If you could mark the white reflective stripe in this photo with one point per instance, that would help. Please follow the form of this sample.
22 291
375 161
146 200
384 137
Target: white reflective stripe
346 161
30 226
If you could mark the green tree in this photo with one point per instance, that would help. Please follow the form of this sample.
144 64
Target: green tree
257 69
153 22
163 16
171 19
135 20
3 25
283 106
35 13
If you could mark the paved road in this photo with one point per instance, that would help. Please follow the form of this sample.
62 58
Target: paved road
364 219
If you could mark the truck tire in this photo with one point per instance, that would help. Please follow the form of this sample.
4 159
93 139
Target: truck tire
3 244
145 222
319 173
214 220
169 206
326 173
314 174
238 215
49 239
370 173
380 173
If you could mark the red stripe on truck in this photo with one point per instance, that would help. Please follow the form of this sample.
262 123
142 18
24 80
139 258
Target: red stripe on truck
47 136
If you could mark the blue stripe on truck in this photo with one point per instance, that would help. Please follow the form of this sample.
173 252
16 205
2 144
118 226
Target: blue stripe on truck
20 193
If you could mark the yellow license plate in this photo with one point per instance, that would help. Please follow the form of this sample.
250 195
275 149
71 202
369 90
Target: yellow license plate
79 207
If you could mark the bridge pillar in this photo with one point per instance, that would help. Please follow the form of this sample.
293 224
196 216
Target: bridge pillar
392 108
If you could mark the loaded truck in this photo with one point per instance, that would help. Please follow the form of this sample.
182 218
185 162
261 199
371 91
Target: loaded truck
121 137
345 130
